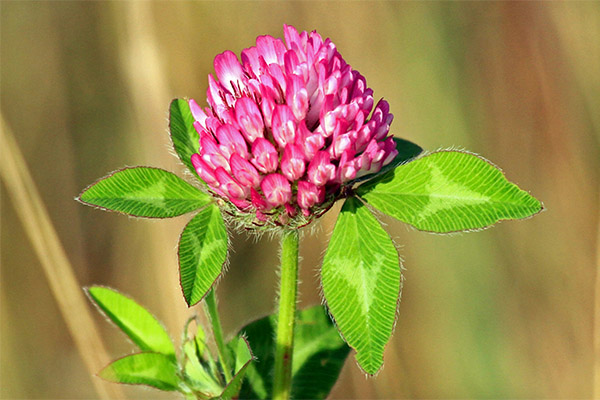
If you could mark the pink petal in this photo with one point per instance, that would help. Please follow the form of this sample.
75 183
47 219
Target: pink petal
249 118
389 146
242 204
211 154
283 125
230 186
342 143
231 141
310 142
291 210
250 61
297 96
268 101
197 112
258 201
205 172
309 194
347 168
229 71
292 162
270 49
291 36
266 158
320 170
277 189
244 172
214 93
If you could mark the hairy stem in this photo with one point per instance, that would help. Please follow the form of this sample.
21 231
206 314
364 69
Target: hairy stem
287 316
213 313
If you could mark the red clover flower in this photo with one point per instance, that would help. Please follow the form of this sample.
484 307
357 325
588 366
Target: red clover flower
287 129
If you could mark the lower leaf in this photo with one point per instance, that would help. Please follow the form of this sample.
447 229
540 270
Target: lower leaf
152 369
319 355
243 356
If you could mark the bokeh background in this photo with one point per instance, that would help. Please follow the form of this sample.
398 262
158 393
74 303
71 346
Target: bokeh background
503 313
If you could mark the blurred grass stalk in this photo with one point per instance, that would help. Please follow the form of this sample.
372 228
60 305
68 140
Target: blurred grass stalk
597 317
145 76
57 268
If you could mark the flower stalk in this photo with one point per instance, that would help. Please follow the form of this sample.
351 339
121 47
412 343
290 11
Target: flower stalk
287 315
213 313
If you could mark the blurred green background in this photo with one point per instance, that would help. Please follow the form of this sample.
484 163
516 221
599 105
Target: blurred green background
503 313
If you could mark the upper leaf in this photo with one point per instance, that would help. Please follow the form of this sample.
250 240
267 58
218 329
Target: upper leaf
143 329
319 354
406 151
202 253
144 192
183 134
361 283
449 191
150 369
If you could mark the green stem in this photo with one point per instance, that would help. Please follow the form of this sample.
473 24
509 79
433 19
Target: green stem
213 313
287 316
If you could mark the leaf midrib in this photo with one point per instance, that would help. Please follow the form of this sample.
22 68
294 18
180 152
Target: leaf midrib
441 196
144 198
365 294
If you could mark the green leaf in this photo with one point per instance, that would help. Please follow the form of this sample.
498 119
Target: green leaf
361 283
199 370
449 191
183 134
199 378
319 354
137 323
144 192
202 253
150 369
242 355
407 151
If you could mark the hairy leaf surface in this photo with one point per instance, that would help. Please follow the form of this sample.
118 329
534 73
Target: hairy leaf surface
361 283
449 191
319 354
144 192
202 253
152 369
142 328
183 134
242 356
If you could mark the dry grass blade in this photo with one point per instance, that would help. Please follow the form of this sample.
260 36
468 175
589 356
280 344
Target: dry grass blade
57 268
597 318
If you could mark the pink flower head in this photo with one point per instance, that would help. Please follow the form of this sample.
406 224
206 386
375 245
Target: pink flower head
288 126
